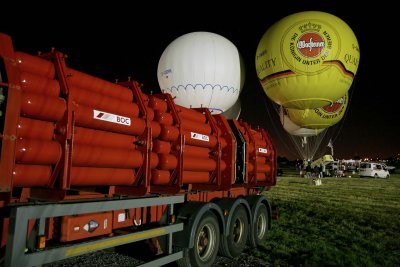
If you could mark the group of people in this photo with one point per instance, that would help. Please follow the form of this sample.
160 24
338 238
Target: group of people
320 171
310 172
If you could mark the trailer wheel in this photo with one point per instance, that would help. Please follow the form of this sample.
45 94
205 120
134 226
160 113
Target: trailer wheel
207 237
235 242
260 224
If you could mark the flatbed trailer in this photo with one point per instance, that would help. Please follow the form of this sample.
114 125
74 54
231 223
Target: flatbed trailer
87 164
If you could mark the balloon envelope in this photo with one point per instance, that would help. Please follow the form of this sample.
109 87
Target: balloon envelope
307 60
318 118
297 130
306 141
201 69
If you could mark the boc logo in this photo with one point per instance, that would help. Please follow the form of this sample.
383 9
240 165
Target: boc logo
123 120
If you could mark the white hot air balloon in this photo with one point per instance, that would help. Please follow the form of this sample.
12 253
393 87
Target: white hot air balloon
296 130
307 141
201 69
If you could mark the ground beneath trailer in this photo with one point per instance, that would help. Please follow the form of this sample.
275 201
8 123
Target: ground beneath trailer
111 258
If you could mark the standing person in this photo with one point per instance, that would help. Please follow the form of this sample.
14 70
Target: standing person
308 171
321 171
301 169
316 170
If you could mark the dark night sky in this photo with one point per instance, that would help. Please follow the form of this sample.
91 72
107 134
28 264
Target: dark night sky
120 40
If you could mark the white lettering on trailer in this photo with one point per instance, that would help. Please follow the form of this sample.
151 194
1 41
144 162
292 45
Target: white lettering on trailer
104 116
262 150
121 217
198 136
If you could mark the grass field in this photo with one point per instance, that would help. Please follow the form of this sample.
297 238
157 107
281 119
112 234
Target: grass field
343 222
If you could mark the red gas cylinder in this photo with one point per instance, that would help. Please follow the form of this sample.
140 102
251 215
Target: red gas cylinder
150 113
153 160
256 134
250 148
161 147
40 152
91 118
193 126
250 167
42 107
84 176
145 98
35 65
198 164
158 104
167 162
223 165
164 118
31 83
160 177
223 143
197 139
263 168
35 129
103 102
169 133
25 175
195 151
102 138
260 143
91 156
155 129
190 114
261 159
91 83
261 177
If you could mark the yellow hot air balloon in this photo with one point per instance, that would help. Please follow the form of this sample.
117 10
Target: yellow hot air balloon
319 118
307 60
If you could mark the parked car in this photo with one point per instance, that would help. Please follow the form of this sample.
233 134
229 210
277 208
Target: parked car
372 169
391 169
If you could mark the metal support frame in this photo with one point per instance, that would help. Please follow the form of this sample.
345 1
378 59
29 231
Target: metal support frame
19 216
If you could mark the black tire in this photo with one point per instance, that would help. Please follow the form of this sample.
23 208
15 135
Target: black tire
260 225
233 244
206 243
